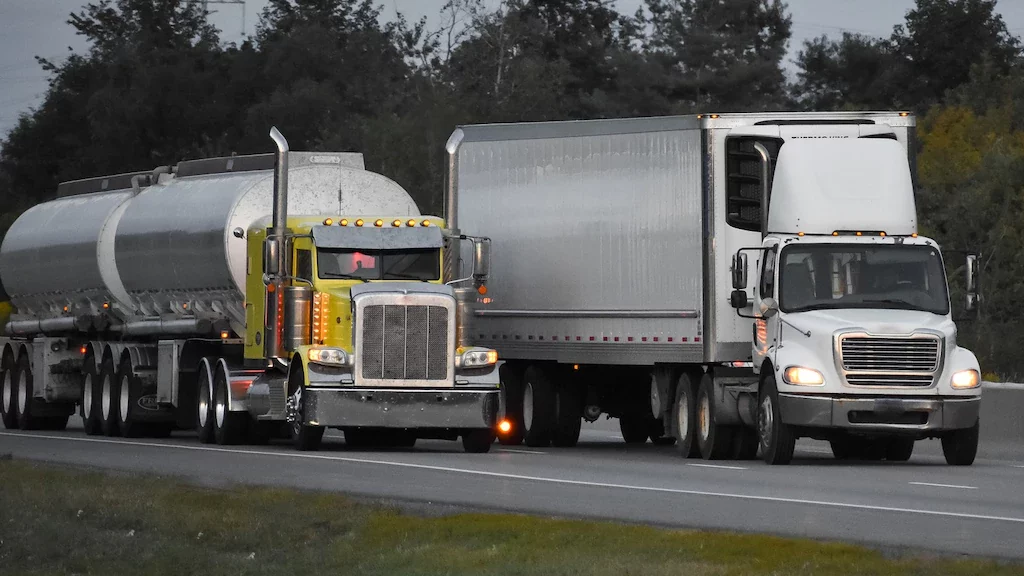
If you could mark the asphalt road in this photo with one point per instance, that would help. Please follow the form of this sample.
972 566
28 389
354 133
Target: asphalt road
922 504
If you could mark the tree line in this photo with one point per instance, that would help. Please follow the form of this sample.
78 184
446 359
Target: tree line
157 85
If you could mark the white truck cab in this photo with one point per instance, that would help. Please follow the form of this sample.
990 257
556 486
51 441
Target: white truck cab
853 340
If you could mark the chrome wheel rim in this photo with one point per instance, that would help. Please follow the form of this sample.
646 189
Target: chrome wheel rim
105 399
204 404
704 418
87 396
683 417
220 406
125 390
655 399
8 393
22 392
528 406
765 421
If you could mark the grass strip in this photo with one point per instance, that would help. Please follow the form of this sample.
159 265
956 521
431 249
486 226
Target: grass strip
55 520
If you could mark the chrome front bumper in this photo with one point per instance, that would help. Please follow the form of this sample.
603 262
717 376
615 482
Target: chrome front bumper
446 408
899 413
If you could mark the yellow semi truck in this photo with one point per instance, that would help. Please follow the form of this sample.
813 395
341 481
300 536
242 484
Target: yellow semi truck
246 298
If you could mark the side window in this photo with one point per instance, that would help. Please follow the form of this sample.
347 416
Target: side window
743 172
304 264
767 287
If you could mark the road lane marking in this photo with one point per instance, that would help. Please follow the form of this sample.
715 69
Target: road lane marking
508 476
717 466
517 451
944 485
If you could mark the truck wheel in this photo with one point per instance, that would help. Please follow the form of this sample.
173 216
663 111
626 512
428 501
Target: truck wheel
538 407
8 408
843 447
204 402
477 441
899 449
657 434
108 399
91 420
569 415
777 440
511 390
683 417
228 426
305 438
635 428
744 443
24 399
961 446
714 440
128 389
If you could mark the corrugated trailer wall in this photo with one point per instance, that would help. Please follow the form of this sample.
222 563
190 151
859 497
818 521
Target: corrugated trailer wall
596 238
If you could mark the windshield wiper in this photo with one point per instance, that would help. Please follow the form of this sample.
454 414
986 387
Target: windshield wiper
402 276
811 307
342 276
898 302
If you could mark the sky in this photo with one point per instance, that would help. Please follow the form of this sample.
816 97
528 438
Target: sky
30 28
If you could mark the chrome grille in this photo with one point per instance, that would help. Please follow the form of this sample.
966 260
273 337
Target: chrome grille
401 342
876 361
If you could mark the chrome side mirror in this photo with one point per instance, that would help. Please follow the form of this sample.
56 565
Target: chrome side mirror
739 271
271 256
481 258
769 307
973 273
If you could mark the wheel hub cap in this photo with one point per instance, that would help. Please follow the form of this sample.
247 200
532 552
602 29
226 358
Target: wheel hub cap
22 392
125 391
655 399
683 418
8 393
105 398
220 407
765 421
204 404
87 396
704 419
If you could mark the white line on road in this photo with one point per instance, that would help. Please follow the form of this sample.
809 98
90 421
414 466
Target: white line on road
718 466
944 485
519 450
507 476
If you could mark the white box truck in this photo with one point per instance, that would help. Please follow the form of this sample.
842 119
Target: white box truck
620 284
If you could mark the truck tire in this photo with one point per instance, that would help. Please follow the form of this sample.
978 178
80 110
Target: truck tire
23 395
128 392
204 402
744 443
714 439
228 426
477 441
511 391
569 416
538 407
91 420
777 440
304 438
635 427
684 414
108 399
844 447
899 449
8 406
961 446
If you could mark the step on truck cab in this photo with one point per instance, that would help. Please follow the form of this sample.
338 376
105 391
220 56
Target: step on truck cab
245 298
617 288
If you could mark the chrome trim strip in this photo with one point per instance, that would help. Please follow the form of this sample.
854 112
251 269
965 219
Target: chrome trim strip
589 313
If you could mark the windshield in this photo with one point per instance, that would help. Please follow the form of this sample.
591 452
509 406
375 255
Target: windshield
830 276
379 264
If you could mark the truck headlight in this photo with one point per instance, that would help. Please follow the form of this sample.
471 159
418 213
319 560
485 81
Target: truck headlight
477 358
800 376
329 356
965 379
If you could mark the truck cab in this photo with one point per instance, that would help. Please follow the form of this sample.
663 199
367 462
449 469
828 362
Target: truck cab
853 337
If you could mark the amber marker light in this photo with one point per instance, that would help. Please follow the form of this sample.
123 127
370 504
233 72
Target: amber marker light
224 335
378 223
359 222
482 289
106 305
410 223
504 426
83 350
328 222
396 223
425 223
343 222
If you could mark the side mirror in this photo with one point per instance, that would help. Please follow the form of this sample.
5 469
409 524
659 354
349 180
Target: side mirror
481 258
738 299
769 307
739 271
271 250
972 282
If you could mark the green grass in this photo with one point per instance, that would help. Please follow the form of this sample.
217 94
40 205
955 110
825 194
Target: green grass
61 521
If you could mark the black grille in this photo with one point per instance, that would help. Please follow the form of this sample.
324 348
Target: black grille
404 342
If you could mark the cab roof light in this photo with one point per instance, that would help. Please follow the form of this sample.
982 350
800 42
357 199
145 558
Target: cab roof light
343 222
396 223
328 222
425 223
410 223
378 223
359 222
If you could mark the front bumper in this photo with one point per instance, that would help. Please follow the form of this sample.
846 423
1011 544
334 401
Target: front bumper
445 408
889 413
